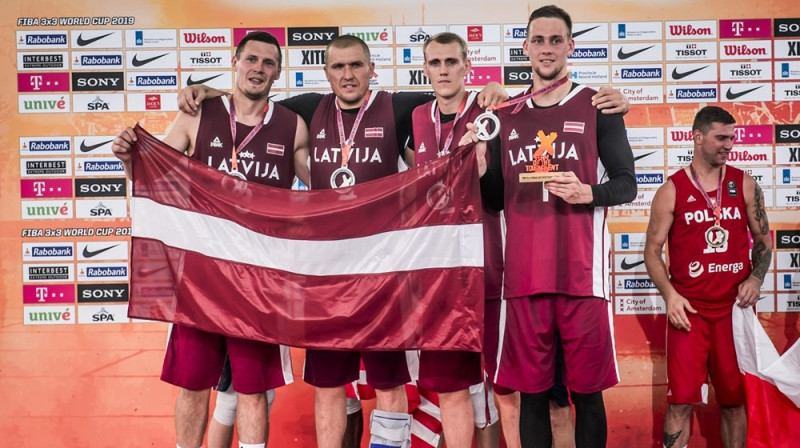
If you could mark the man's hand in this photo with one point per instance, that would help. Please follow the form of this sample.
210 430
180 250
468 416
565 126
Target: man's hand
676 312
610 101
568 187
190 97
480 147
748 292
491 95
122 145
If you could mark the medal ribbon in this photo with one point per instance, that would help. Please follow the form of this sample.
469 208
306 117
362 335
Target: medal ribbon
520 100
717 208
442 150
347 144
235 152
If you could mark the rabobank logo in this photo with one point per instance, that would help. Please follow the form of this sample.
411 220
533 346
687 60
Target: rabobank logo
592 53
654 73
153 81
519 33
101 271
46 146
46 39
697 94
690 94
649 178
50 251
298 79
100 60
639 283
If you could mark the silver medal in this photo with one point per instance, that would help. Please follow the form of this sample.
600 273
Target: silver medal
716 236
481 122
343 177
236 173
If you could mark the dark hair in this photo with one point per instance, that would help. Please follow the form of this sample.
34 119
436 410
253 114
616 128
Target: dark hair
711 114
445 38
259 36
347 41
552 11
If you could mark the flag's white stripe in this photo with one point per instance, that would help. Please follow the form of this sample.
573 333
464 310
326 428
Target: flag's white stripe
444 246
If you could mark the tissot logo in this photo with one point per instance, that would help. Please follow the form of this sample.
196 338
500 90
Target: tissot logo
101 81
787 133
786 27
101 188
312 36
517 76
106 292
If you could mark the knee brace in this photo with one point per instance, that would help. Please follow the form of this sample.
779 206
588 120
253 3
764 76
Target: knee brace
225 408
390 429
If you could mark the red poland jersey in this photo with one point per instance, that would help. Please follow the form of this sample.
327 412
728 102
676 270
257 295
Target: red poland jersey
706 276
374 153
267 159
427 149
552 246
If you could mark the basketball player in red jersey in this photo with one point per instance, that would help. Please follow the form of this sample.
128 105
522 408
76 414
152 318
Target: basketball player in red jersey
707 212
232 133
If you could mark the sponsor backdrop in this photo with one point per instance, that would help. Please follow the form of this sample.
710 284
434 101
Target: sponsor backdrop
84 69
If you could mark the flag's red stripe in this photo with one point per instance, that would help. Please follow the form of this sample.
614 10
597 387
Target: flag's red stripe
438 309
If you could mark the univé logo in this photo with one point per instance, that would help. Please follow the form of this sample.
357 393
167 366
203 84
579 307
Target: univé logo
38 315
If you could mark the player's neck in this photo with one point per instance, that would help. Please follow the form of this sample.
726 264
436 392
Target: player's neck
554 96
249 111
450 105
707 175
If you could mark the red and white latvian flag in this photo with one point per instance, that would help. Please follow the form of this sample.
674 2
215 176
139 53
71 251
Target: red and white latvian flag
395 263
772 383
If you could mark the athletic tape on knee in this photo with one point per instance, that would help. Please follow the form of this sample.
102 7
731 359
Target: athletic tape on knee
225 408
353 405
270 400
389 429
483 406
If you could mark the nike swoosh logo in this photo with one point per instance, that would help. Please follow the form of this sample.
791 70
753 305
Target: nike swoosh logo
136 62
643 156
147 272
628 266
90 148
93 253
733 95
581 32
623 55
84 42
190 81
680 75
